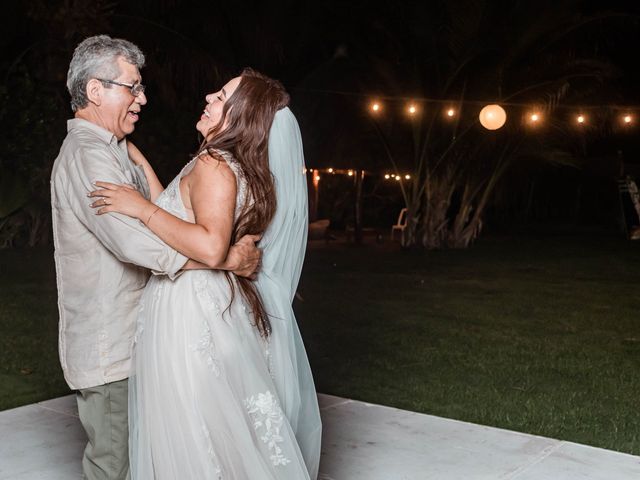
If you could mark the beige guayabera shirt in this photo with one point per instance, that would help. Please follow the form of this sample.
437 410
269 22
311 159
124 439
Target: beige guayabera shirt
99 259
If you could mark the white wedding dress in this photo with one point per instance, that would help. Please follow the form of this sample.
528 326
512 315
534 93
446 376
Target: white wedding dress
209 397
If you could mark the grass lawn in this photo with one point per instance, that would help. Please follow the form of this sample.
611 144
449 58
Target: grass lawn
29 366
539 335
534 335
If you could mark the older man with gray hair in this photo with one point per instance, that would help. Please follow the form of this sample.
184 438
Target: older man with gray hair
103 262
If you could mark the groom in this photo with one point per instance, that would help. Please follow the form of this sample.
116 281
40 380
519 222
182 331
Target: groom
103 263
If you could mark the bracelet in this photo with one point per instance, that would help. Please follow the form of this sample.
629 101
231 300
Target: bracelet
152 214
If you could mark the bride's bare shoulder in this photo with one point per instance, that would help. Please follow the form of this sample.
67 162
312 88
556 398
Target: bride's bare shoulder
209 165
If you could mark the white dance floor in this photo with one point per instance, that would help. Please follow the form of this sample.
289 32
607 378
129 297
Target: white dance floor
44 441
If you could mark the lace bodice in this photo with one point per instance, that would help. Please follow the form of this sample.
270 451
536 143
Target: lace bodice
171 200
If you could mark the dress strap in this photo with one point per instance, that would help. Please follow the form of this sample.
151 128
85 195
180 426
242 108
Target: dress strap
236 168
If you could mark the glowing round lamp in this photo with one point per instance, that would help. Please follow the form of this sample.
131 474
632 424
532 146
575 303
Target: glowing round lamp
492 117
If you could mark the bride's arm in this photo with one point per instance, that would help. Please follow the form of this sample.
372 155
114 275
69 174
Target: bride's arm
193 265
136 156
212 192
243 258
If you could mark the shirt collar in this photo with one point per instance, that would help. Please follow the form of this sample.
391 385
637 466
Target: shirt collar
103 134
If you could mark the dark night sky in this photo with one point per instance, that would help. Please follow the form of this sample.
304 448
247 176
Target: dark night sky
309 45
291 39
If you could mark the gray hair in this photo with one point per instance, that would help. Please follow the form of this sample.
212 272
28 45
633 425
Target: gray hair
97 57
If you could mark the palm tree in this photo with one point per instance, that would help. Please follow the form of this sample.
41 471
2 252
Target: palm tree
466 50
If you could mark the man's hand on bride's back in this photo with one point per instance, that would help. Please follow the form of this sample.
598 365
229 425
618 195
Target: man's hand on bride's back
244 257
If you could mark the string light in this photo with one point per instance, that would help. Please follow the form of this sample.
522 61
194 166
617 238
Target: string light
533 118
396 177
315 173
492 117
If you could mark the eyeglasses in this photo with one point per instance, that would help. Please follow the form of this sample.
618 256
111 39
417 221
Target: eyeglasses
136 89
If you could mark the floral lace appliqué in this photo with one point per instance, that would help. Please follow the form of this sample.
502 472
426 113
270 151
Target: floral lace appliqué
241 181
206 344
268 357
206 347
204 292
212 452
267 419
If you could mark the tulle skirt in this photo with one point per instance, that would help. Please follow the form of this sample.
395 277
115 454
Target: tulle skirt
209 398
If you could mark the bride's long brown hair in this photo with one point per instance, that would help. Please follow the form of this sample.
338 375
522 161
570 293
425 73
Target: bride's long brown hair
248 114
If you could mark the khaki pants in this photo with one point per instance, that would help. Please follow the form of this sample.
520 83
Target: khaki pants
104 416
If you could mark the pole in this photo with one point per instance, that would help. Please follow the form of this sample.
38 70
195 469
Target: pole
358 213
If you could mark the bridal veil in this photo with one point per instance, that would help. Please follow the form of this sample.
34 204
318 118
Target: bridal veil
284 245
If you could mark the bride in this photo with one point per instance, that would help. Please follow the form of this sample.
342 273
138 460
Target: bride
221 387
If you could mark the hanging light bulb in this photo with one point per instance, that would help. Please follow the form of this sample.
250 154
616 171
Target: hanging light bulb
376 107
581 119
492 117
407 177
627 119
350 173
533 118
330 170
451 112
387 176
